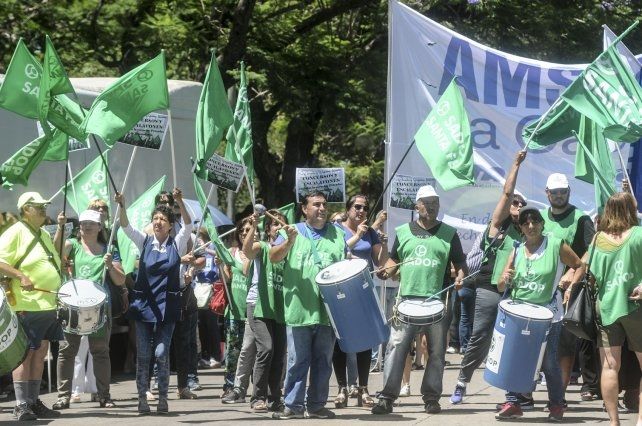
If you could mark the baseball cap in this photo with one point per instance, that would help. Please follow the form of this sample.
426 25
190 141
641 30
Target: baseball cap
557 181
532 211
31 198
89 216
426 191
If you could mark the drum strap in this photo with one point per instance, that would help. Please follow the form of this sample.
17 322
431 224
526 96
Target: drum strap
36 239
315 253
32 244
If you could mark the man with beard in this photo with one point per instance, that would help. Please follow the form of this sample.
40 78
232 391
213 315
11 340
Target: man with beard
432 246
564 220
307 248
494 248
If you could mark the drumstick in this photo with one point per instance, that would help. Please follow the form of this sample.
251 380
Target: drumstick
383 268
51 292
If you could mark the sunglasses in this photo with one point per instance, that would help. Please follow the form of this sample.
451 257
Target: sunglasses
558 191
519 203
98 208
38 206
359 207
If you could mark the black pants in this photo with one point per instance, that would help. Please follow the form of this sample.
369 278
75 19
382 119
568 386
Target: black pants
339 362
209 334
184 347
271 345
590 366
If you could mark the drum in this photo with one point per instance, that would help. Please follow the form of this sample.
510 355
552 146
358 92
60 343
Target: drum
13 340
82 307
353 305
517 346
420 311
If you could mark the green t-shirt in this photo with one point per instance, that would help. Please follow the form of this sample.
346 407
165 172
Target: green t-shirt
303 303
424 276
536 278
237 306
269 304
565 228
14 242
617 270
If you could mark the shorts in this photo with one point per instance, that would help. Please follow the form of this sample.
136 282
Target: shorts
568 344
39 326
628 327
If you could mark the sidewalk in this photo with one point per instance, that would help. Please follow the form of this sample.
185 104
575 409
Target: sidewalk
480 402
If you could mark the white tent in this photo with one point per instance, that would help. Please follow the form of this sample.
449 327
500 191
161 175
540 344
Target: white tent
148 166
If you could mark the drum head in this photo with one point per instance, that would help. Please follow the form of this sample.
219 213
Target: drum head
82 293
420 307
526 310
341 271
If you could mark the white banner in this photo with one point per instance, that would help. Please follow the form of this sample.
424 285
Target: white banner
502 93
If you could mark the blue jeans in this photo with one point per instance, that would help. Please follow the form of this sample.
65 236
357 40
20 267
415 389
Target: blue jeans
551 369
467 299
310 350
156 336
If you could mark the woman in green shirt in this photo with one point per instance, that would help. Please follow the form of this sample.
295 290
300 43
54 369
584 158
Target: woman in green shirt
88 256
532 270
617 270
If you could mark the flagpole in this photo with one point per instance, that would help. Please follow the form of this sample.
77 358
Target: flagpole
622 164
64 211
73 186
540 122
171 144
116 214
374 206
205 209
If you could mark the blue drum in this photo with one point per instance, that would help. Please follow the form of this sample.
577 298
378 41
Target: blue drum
517 346
353 305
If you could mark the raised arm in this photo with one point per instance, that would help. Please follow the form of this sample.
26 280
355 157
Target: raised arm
502 210
251 247
279 252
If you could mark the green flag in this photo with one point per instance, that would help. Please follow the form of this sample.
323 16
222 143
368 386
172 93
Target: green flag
53 81
90 183
206 221
19 167
19 91
213 115
138 213
126 101
239 136
287 211
558 124
444 141
593 161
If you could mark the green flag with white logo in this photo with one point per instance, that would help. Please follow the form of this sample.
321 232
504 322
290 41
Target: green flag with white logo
90 183
239 136
213 115
126 101
444 141
53 81
207 221
139 215
19 167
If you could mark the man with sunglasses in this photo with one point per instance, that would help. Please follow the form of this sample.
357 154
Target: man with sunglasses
564 220
29 259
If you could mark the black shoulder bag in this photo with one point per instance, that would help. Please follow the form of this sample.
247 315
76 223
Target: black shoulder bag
580 317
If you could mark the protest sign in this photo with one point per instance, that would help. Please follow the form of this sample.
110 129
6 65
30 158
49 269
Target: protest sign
330 181
74 144
403 190
148 132
224 173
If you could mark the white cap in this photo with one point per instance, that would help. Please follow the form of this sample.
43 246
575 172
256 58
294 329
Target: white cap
426 191
557 181
31 198
89 216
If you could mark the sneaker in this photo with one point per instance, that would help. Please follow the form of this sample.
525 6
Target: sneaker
42 411
61 404
588 396
22 412
526 404
194 385
143 407
384 406
214 363
451 350
203 363
276 407
259 406
234 397
186 393
556 413
74 397
547 407
287 414
432 407
405 391
150 396
458 395
510 410
162 407
321 413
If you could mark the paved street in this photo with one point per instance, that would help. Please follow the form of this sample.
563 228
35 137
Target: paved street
208 408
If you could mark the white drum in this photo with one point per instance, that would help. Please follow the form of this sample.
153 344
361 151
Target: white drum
82 307
420 311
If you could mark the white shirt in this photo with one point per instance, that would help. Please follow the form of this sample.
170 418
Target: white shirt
182 237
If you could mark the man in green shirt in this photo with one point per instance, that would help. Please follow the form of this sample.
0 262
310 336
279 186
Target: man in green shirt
307 248
564 220
26 243
427 248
